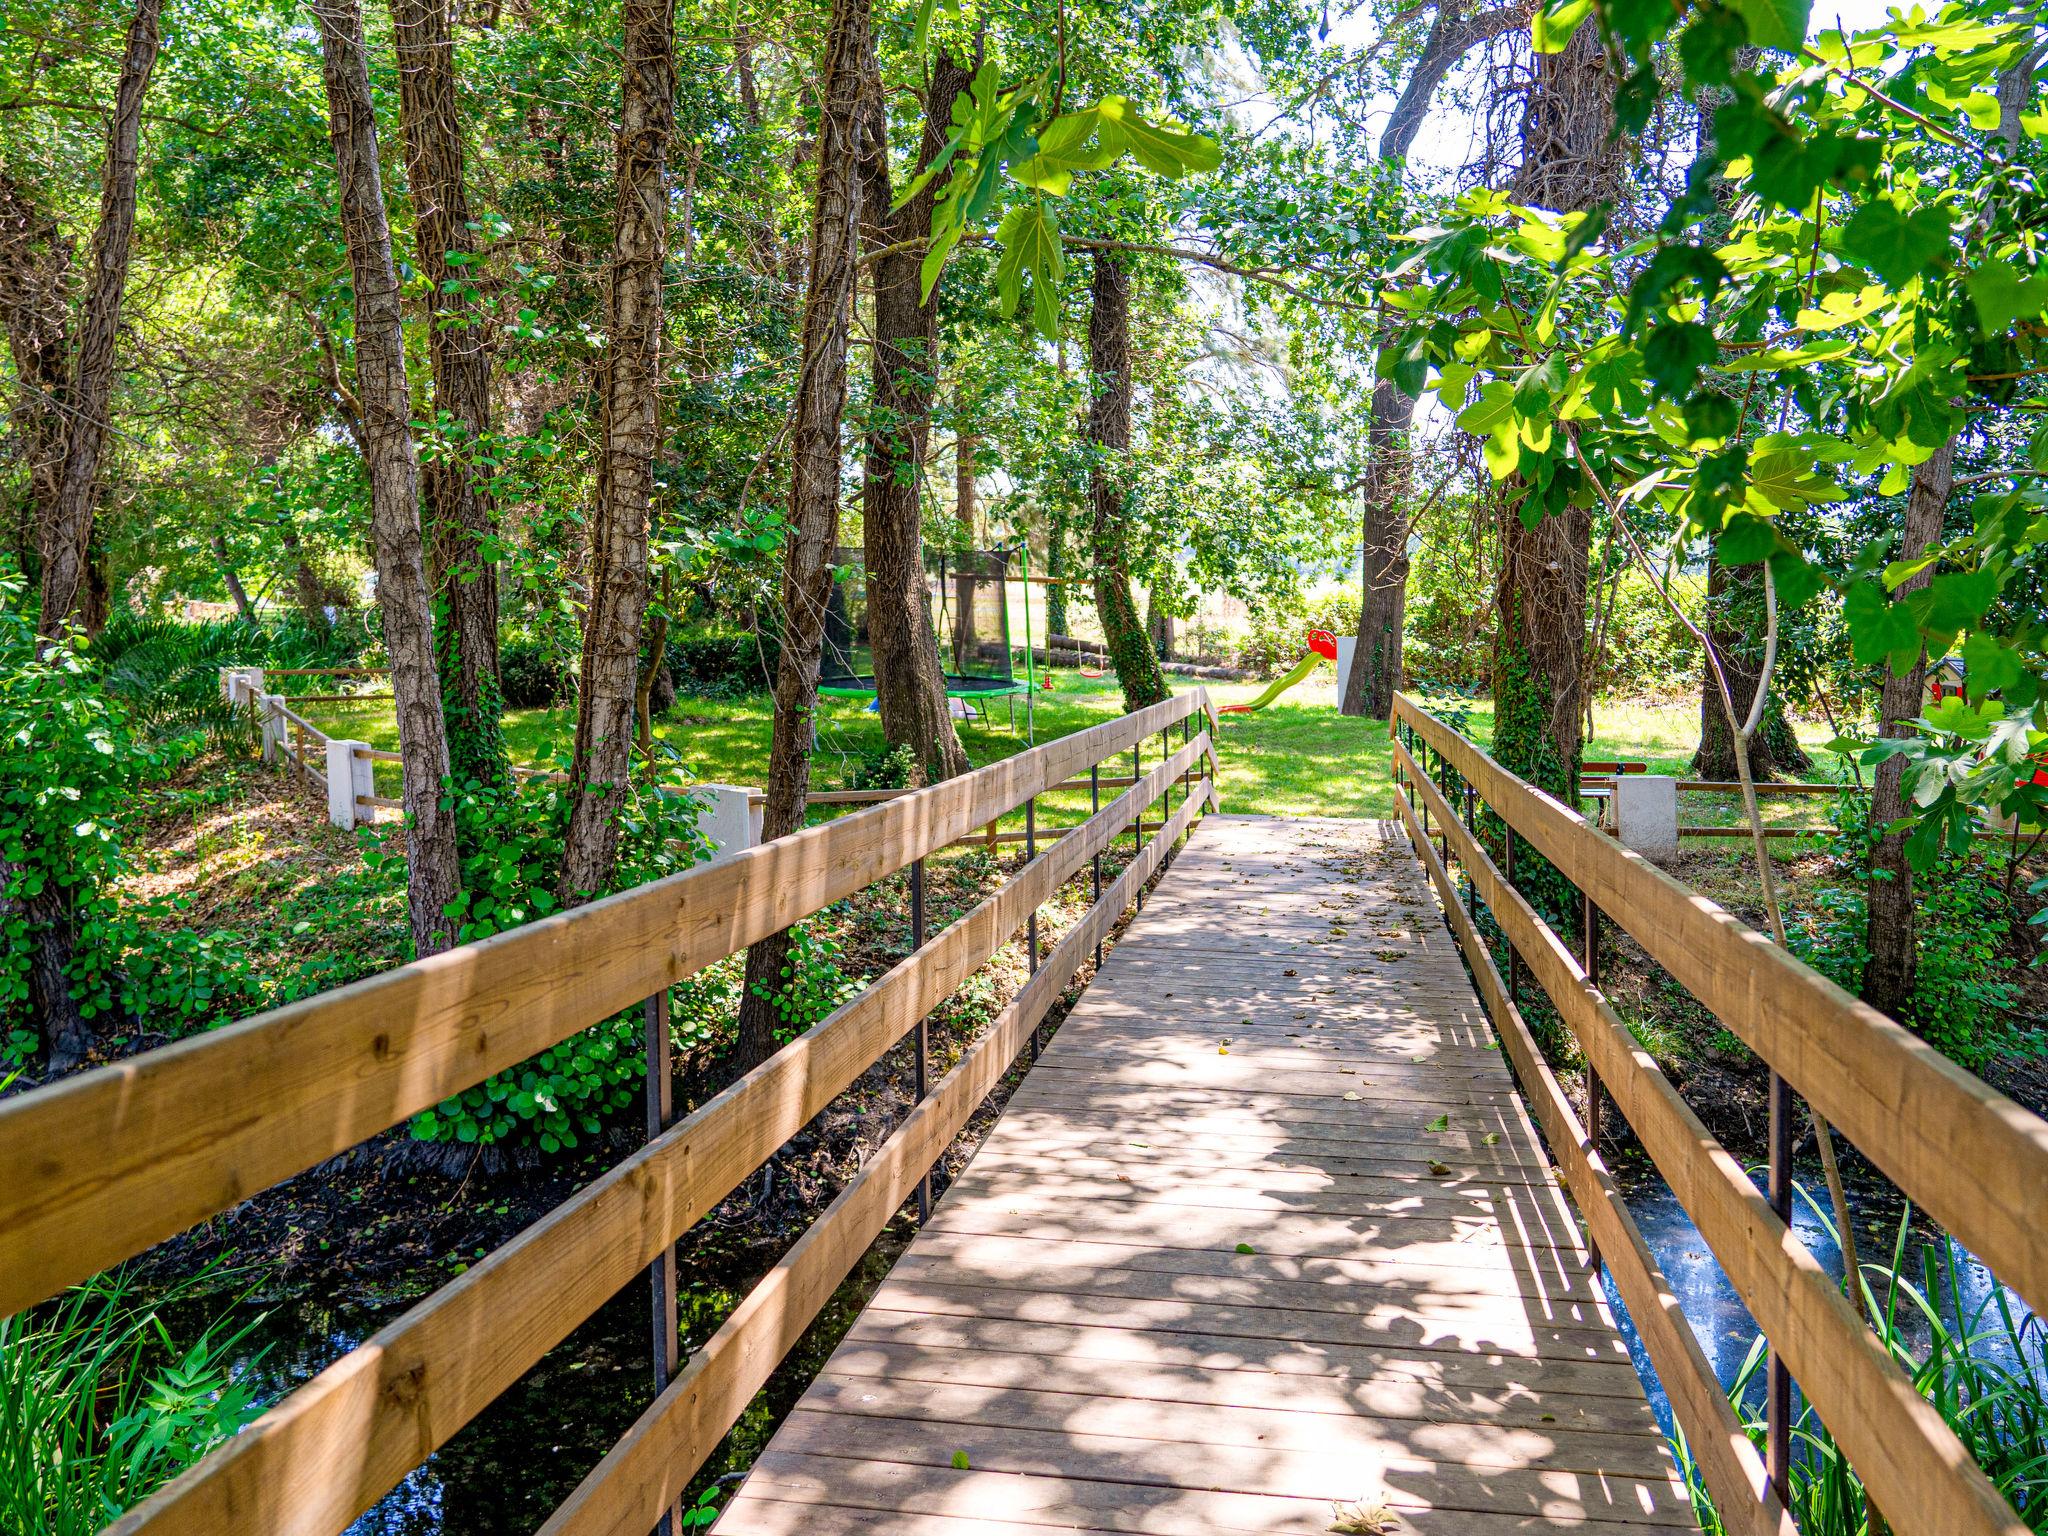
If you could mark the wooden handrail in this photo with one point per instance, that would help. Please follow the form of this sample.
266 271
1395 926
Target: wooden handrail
1728 1460
1959 1148
331 1449
99 1166
1908 1457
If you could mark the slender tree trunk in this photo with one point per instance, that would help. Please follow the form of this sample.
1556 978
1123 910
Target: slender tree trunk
1383 607
631 377
966 507
814 479
459 513
67 522
910 684
1376 666
1159 623
1109 430
1058 568
306 584
1891 940
1734 616
433 871
228 574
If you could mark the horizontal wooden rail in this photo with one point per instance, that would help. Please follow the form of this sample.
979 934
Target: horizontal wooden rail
338 698
1913 1464
1745 832
270 672
333 1448
653 1463
98 1167
1965 1153
1733 1469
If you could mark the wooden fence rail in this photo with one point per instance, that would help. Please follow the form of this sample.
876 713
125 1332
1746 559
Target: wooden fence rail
101 1166
1970 1157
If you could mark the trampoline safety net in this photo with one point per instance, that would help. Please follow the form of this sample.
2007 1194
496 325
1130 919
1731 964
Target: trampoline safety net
965 597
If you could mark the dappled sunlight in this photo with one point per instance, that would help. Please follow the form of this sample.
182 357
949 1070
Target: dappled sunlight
1265 1231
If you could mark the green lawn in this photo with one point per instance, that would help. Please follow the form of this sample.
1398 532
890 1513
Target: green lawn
1297 757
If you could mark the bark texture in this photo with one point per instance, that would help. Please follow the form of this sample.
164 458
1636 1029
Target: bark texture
1891 937
910 683
433 873
1109 431
630 381
459 513
814 478
232 578
1571 158
1376 668
66 521
1735 623
35 287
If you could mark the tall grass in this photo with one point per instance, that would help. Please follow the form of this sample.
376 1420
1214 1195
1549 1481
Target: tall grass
100 1405
1985 1372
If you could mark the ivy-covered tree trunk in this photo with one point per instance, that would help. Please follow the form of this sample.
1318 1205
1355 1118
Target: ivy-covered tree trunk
66 521
433 871
35 275
1109 430
630 383
1891 939
910 684
814 481
459 516
1058 568
966 510
1734 621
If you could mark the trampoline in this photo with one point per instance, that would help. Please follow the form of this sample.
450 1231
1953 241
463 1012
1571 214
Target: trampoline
965 594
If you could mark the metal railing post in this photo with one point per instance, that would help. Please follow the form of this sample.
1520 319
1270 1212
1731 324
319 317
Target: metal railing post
1095 805
1507 869
1031 923
1778 1380
923 1070
662 1275
1471 885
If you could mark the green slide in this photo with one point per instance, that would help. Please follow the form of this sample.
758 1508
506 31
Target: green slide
1322 647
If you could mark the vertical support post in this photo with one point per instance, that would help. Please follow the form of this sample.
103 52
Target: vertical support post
662 1273
1095 805
1507 869
1137 824
1031 923
923 1073
1778 1380
1589 922
1471 885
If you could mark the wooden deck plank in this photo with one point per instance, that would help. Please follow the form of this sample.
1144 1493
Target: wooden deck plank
1213 1272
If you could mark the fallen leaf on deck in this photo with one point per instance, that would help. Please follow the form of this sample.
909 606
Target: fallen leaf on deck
1440 1123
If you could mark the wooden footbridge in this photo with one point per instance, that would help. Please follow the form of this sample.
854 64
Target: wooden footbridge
1265 1241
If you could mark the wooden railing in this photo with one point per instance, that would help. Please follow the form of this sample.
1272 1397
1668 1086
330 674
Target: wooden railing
1971 1158
101 1166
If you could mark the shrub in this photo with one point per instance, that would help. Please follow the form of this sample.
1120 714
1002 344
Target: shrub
811 984
719 661
1277 637
532 674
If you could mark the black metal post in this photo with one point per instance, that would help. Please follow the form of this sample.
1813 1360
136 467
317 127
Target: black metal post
1778 1381
923 1073
1031 923
1137 823
661 1274
1471 885
1507 869
1095 805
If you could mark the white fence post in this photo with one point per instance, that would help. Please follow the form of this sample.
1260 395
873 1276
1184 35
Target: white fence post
271 708
726 816
349 778
1646 812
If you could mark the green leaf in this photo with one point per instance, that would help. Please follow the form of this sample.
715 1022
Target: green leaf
1161 150
1779 24
1246 1248
960 1462
1960 598
1879 630
1030 239
2002 295
1897 246
1552 27
1440 1123
1747 540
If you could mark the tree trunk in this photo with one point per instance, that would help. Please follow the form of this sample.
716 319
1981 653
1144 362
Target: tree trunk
67 521
910 684
1891 941
306 584
630 378
35 267
1735 613
433 872
1376 666
243 606
1383 607
1109 430
814 479
966 507
1058 620
459 514
1159 623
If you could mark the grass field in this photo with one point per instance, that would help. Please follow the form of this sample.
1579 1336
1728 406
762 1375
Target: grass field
1297 757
